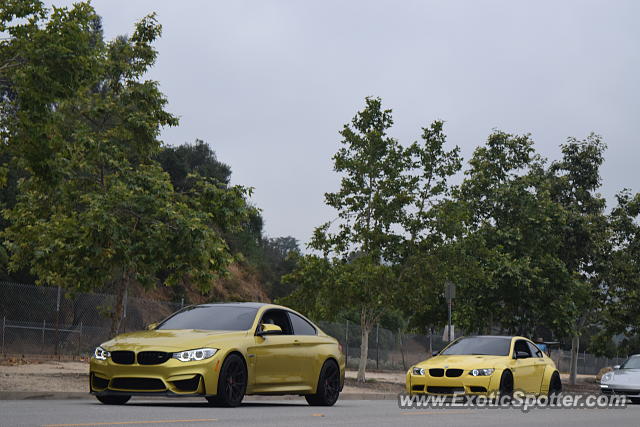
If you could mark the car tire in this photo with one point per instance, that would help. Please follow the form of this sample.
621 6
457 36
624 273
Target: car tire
505 392
328 389
232 382
555 388
113 400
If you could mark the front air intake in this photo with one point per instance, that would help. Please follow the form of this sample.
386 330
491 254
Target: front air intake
99 383
142 384
188 385
444 390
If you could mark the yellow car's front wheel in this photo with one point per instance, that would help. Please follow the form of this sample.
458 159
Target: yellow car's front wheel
232 383
506 384
328 389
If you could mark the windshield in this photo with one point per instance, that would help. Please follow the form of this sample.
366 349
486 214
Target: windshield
489 346
631 363
212 318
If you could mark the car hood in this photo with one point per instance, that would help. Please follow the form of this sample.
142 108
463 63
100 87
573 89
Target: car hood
171 340
463 361
626 377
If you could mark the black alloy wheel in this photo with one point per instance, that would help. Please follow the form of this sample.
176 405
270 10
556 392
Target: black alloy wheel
506 387
555 388
232 382
328 389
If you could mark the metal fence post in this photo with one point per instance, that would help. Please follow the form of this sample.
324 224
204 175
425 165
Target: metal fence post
79 337
124 311
4 322
44 324
346 345
377 347
57 322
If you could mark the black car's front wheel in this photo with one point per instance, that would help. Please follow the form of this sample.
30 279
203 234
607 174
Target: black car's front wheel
113 400
328 389
232 382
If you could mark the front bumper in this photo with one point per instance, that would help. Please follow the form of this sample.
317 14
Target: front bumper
464 384
627 390
171 378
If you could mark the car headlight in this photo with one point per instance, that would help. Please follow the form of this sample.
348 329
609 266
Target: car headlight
101 354
606 377
418 371
481 372
197 354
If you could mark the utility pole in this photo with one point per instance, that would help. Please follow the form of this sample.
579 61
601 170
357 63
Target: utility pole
449 294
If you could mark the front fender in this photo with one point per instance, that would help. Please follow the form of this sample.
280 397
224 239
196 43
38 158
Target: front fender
546 379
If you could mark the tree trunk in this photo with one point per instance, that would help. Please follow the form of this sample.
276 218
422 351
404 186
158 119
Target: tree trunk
573 370
365 328
118 310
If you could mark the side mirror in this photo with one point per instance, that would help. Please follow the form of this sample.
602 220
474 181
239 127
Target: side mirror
435 353
616 367
522 355
152 326
269 329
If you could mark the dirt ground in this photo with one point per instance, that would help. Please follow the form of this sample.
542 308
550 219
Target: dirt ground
42 376
73 376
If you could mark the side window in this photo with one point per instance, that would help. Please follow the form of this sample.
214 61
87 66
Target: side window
280 318
521 346
535 351
301 326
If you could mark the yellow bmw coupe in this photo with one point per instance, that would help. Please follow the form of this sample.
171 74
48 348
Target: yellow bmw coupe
221 352
486 365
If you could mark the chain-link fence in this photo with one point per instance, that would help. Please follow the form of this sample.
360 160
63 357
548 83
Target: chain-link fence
588 364
43 320
387 349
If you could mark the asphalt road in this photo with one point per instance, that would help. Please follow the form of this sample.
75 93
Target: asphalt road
62 413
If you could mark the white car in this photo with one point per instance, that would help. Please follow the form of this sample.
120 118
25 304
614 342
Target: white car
624 379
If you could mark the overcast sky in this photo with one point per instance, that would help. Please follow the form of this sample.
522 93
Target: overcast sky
268 84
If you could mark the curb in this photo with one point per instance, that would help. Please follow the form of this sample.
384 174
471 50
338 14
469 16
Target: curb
64 395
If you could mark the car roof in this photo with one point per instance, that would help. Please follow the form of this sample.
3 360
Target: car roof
499 336
243 304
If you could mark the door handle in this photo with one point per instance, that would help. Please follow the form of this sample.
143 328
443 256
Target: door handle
296 342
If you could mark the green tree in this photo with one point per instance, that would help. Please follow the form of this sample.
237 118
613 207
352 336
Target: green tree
506 255
533 238
279 259
586 233
198 158
623 267
384 210
371 203
97 210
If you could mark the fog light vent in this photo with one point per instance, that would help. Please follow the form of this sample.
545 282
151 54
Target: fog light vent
187 385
